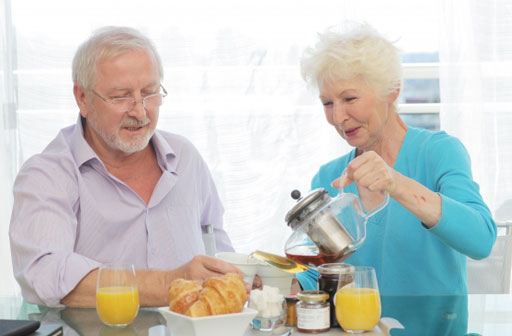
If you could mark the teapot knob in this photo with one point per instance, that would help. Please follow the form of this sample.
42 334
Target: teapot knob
295 194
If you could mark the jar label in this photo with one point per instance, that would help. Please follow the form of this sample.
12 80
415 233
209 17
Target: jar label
313 319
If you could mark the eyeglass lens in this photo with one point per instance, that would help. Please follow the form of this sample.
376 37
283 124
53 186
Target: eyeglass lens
150 102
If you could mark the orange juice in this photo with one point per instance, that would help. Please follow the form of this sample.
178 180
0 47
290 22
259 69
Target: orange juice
358 308
117 305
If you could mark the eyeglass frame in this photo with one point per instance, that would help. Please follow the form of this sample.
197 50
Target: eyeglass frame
143 100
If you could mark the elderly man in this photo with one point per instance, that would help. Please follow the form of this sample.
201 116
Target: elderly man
112 188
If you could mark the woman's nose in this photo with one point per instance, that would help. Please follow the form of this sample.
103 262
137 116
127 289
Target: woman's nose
339 113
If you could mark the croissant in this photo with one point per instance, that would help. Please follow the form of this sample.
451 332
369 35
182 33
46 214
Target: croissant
224 295
182 294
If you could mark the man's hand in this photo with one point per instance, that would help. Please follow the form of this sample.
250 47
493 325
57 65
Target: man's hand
153 284
257 283
202 267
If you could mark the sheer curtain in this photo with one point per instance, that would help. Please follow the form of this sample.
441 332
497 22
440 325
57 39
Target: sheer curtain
8 145
235 91
231 70
476 91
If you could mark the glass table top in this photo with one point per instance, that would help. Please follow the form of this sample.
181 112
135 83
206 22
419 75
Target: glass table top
420 315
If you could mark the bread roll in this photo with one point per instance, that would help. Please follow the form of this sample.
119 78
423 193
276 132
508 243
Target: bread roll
182 294
224 295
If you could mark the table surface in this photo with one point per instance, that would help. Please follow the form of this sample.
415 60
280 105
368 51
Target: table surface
487 315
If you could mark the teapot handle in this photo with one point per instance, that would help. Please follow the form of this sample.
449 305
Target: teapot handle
377 208
380 206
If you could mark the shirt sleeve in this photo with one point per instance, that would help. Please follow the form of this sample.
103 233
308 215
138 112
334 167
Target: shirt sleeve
466 222
43 231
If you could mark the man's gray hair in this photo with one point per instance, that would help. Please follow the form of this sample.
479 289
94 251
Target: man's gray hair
109 42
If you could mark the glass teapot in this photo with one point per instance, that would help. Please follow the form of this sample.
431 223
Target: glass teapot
325 229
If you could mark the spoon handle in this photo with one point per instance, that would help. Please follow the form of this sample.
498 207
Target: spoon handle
279 262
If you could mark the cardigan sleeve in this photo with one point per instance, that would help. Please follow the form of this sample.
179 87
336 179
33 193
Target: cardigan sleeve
466 222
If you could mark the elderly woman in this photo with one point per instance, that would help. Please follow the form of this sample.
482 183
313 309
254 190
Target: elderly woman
436 216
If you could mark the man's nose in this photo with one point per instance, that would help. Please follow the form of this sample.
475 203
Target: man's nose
139 109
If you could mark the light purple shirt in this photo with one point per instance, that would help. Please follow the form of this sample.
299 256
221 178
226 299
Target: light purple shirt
70 215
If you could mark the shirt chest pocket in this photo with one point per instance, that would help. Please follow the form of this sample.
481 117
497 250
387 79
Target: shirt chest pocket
185 231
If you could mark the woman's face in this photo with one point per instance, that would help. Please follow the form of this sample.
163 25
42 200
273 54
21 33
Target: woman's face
357 112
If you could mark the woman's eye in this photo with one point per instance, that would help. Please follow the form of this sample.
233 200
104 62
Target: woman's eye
327 104
349 99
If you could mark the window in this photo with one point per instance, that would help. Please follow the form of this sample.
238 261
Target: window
419 102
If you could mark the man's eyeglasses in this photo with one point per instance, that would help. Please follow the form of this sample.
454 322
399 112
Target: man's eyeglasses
126 104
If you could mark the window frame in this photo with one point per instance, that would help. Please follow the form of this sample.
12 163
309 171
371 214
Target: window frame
428 70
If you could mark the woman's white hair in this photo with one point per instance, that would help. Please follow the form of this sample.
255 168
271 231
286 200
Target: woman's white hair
358 52
109 42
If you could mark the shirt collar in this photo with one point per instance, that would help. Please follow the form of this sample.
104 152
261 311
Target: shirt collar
80 149
165 154
82 152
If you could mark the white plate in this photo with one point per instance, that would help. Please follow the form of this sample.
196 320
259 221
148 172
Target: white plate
217 325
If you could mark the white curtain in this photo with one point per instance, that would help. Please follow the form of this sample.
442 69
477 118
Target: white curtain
8 145
476 91
231 70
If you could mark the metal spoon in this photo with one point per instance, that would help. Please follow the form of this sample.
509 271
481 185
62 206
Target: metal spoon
279 262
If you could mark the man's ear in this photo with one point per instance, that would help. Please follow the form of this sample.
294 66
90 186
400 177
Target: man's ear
81 99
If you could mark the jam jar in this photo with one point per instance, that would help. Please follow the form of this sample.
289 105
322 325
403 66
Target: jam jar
313 311
328 282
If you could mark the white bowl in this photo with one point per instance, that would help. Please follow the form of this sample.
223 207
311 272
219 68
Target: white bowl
242 261
271 276
217 325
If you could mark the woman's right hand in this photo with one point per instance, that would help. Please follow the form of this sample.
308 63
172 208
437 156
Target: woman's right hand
368 170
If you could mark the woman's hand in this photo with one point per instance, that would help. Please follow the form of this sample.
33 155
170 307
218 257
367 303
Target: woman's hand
368 170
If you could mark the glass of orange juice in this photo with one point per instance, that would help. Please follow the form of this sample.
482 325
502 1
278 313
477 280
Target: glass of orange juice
358 302
117 295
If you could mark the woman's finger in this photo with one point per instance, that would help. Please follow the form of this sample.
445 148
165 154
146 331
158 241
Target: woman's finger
342 181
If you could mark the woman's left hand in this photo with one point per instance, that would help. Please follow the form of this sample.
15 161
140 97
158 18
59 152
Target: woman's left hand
368 170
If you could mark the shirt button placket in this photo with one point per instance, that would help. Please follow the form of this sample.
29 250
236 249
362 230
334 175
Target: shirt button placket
151 250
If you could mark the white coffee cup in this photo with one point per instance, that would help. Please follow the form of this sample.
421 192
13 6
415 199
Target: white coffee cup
241 260
273 277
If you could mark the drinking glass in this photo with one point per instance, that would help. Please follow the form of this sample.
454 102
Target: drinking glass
117 295
358 306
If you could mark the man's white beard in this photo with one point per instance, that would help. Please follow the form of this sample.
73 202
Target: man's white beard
115 142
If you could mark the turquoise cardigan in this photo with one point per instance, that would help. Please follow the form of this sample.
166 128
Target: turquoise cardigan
408 257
